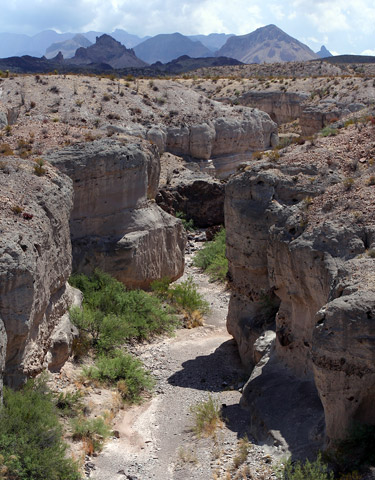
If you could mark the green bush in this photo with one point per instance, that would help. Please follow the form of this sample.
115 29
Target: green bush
188 224
124 371
111 315
212 258
329 132
183 296
94 431
316 470
31 443
69 404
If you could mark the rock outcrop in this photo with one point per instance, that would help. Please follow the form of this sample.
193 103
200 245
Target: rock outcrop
35 264
282 107
228 139
198 195
115 223
297 237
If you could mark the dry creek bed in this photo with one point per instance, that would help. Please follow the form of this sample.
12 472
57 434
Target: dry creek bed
155 439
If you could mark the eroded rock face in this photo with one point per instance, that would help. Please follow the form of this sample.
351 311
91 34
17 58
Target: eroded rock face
228 138
35 264
282 107
115 223
297 249
198 195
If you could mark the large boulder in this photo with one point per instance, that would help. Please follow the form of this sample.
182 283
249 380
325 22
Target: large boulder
115 223
35 264
198 195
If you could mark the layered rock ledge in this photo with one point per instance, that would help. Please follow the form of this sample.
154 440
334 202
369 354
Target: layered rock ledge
35 264
300 236
115 223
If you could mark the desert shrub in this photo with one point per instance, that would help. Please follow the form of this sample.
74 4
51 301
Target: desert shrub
69 404
243 448
329 132
39 170
348 183
5 149
316 470
188 224
31 444
207 417
184 297
212 258
112 315
124 371
93 432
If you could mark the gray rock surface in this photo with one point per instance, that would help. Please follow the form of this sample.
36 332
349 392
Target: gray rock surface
198 195
35 263
3 120
307 279
115 223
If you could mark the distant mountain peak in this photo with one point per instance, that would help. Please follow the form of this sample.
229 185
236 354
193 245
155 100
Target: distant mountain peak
109 51
267 44
324 53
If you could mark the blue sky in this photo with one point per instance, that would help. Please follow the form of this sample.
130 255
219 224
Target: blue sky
344 27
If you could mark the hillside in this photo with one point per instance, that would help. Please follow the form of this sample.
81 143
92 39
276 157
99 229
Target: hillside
266 44
167 47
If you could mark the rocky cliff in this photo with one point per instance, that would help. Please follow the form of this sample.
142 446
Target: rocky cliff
35 264
300 234
115 223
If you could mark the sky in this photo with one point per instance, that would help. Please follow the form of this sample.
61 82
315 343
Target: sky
343 27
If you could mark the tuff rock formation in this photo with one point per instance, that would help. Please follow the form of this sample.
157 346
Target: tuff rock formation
115 223
297 236
35 264
228 139
198 195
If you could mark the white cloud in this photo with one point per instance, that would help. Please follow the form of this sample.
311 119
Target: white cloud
368 52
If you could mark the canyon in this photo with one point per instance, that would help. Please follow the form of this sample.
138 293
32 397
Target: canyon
93 171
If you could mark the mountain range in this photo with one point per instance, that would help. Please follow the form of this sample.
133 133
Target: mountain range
265 45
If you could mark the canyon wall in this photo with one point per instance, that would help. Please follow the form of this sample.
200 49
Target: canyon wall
35 264
115 223
297 245
227 138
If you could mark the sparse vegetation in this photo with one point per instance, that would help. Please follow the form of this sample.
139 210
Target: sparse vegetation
188 224
39 170
31 443
184 298
316 470
124 371
211 258
207 417
329 132
92 431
